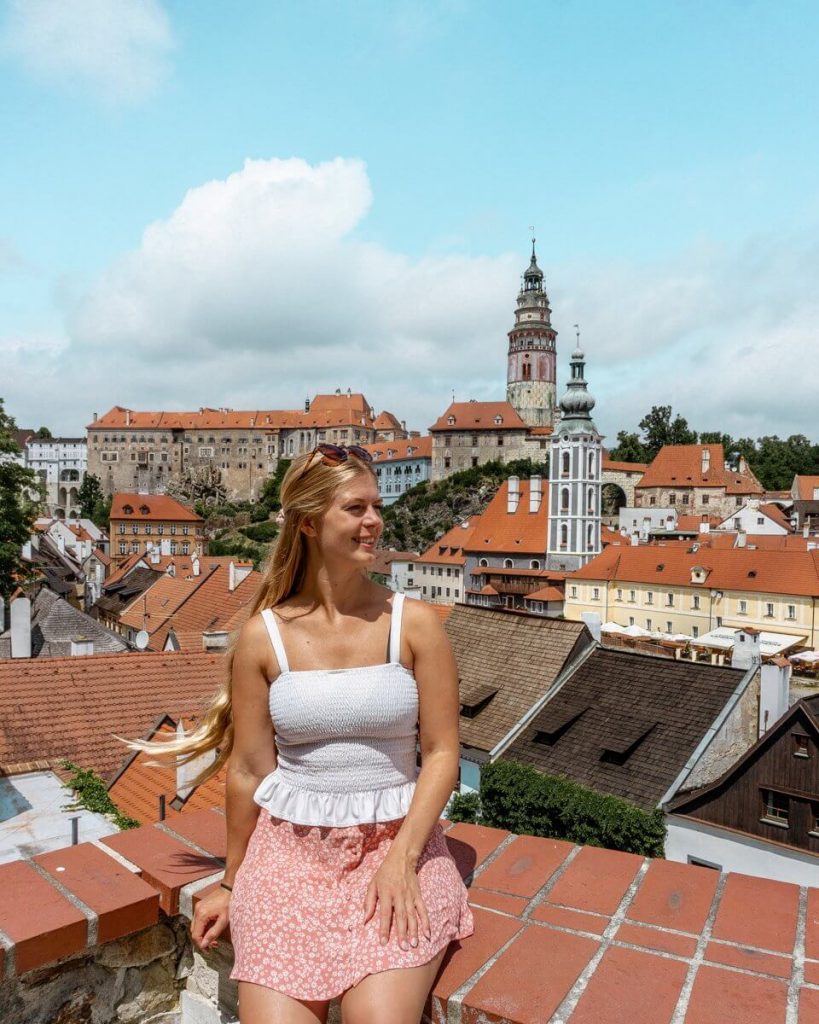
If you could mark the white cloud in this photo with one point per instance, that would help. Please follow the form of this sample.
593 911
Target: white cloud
259 290
119 48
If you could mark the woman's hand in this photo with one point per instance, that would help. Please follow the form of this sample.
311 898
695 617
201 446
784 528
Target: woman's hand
394 890
210 918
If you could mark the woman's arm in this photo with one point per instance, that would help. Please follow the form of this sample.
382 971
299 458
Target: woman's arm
436 675
252 758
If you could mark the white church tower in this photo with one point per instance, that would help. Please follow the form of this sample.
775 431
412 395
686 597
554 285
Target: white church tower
575 477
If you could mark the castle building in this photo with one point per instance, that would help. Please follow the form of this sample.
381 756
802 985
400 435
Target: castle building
575 477
530 373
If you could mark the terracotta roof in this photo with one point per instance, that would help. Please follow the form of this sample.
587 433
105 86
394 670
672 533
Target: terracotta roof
692 524
479 416
521 532
52 708
550 593
386 421
763 571
540 431
805 486
138 786
775 513
628 704
101 556
449 549
762 541
384 557
680 465
518 656
182 564
623 467
392 451
151 508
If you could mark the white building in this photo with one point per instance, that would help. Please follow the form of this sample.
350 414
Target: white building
61 463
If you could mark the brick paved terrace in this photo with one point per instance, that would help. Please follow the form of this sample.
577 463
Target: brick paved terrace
563 933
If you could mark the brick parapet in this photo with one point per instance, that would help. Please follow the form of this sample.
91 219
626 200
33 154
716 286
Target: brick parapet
566 934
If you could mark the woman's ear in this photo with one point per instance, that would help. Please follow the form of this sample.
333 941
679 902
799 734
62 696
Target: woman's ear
308 527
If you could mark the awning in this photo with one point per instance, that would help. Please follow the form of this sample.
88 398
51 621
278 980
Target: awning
770 644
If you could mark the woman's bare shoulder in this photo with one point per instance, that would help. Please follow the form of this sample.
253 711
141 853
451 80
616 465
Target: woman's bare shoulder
253 646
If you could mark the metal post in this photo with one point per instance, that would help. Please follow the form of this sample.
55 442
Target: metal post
75 830
162 807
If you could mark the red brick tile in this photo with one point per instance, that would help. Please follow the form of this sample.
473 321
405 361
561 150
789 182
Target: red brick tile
596 880
122 900
630 986
758 912
674 896
812 925
207 829
164 862
812 972
501 901
808 1006
577 920
749 959
39 920
464 958
657 938
530 980
721 996
470 845
525 865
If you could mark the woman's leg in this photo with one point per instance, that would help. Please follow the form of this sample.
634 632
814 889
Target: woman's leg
397 996
261 1005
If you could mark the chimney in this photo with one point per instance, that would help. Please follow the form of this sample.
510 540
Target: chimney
512 495
127 417
186 773
81 646
774 692
195 566
706 460
535 493
236 574
806 530
307 404
745 653
21 628
95 417
635 540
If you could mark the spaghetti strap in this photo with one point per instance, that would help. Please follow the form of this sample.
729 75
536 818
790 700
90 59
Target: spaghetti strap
275 639
395 628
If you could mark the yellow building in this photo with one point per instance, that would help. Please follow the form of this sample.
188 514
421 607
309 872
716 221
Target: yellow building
691 589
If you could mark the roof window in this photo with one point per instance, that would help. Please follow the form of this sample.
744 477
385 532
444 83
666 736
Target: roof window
627 732
127 509
477 698
552 723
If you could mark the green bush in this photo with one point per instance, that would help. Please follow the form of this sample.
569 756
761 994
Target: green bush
465 807
519 798
262 533
92 794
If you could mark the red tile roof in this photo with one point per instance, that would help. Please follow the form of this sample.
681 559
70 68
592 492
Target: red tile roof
546 594
449 549
805 486
762 571
157 508
51 708
680 465
623 467
775 513
523 532
391 451
386 421
479 416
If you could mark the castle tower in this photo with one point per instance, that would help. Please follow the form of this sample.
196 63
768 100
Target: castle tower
575 477
530 374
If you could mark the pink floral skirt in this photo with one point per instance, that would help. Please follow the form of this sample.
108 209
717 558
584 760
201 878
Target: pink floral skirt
298 901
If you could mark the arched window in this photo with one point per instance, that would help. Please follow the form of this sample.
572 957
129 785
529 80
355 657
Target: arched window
482 562
534 564
591 463
508 563
565 461
564 537
590 501
564 500
527 371
590 537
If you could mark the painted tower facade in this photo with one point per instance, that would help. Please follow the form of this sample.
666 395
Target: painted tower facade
575 477
530 374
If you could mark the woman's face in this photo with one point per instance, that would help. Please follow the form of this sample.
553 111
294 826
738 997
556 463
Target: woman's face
352 525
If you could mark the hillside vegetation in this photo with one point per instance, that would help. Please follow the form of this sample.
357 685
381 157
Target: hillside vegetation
426 512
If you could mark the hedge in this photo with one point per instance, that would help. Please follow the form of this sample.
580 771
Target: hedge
524 801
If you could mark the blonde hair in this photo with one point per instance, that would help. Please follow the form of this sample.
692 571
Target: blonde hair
307 491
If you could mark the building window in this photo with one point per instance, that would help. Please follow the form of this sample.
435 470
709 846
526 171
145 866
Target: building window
173 547
564 537
134 546
742 608
482 562
474 440
185 548
705 499
648 624
564 464
800 746
776 807
595 593
650 597
564 500
122 527
134 528
669 600
508 563
474 461
672 499
632 596
160 529
173 530
573 591
695 631
769 610
791 611
669 627
123 547
534 564
631 620
685 499
695 602
619 594
652 500
447 462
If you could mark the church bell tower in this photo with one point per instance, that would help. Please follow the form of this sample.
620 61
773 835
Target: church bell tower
530 374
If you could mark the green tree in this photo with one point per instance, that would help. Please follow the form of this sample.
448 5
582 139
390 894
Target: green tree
270 498
101 513
660 429
17 510
89 494
629 448
44 433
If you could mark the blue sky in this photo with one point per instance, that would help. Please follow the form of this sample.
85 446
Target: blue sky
666 153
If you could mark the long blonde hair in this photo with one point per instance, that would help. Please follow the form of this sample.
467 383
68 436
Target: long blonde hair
307 491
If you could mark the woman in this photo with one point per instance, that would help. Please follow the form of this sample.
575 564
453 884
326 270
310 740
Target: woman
338 881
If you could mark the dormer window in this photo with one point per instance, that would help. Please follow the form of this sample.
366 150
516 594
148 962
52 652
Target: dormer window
127 509
450 420
144 509
498 420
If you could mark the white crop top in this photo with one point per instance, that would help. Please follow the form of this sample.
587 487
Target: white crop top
345 738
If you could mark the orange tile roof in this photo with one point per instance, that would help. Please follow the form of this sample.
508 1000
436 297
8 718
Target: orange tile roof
160 508
391 451
52 708
154 606
449 549
805 486
137 788
775 513
680 465
762 571
523 532
546 594
691 524
479 416
623 467
182 564
386 421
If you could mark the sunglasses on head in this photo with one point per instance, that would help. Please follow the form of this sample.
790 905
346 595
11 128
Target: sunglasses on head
335 454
